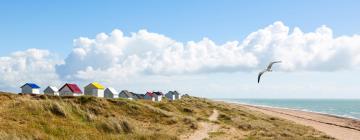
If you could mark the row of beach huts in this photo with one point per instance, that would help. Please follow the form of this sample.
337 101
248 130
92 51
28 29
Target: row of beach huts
97 90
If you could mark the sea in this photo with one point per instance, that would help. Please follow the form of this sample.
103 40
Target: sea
349 108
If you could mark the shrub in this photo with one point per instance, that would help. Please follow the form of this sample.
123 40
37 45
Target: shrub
112 125
224 117
117 102
89 116
86 99
187 110
171 121
56 109
95 110
126 127
190 122
245 127
272 118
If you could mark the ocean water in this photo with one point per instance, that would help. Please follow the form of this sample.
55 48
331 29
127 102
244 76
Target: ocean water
349 108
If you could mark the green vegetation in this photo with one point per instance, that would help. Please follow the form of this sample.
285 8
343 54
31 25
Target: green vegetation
51 117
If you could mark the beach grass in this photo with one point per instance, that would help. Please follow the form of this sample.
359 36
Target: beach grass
52 117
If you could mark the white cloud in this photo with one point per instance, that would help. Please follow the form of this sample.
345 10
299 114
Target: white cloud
115 57
314 51
118 56
32 65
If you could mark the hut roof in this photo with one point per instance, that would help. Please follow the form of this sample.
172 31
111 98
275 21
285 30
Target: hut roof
73 87
138 96
97 85
158 93
52 88
112 90
127 93
32 85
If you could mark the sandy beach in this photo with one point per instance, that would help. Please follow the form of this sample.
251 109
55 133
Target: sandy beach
337 127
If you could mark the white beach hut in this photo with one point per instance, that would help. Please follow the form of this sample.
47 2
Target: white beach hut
111 93
51 90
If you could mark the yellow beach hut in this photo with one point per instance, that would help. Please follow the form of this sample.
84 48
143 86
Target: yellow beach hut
94 89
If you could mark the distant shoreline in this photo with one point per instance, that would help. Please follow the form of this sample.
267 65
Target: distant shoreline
294 109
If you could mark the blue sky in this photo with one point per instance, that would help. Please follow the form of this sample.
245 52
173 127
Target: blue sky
53 26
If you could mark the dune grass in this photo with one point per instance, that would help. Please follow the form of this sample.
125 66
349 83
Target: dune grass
51 117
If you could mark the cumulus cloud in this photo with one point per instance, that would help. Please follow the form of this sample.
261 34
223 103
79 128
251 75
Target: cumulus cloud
314 51
115 55
32 65
109 57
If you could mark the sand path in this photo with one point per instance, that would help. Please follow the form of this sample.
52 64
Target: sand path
204 128
339 128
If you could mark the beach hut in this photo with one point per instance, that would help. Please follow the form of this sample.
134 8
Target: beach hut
158 96
126 94
94 89
70 90
173 95
111 93
138 96
149 96
30 88
154 96
51 90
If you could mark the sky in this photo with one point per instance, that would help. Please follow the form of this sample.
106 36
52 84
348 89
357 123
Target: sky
204 48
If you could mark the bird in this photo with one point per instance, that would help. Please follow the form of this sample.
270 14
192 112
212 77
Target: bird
268 69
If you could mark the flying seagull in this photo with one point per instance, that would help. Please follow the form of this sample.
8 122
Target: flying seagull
268 69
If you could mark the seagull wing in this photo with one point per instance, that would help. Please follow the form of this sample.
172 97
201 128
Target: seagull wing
271 64
260 73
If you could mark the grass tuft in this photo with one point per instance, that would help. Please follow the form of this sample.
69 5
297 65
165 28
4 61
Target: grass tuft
56 109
